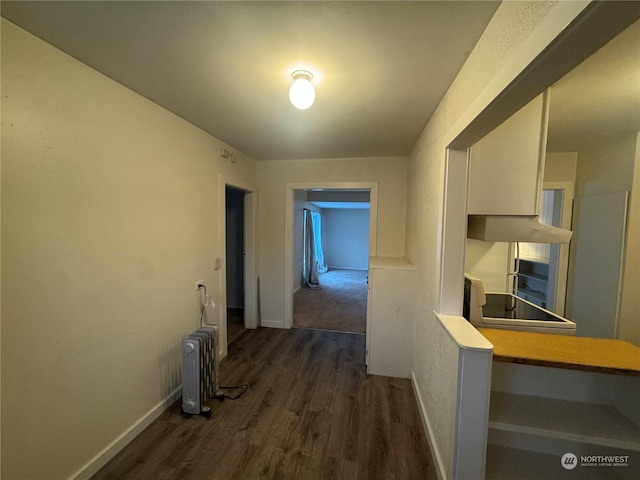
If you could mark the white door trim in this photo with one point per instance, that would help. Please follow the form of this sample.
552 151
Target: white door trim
290 189
562 264
250 278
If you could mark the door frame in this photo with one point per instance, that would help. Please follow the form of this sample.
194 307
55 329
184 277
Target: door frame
562 262
250 278
290 189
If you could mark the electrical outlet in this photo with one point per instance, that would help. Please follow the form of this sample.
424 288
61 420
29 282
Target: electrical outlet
208 300
198 283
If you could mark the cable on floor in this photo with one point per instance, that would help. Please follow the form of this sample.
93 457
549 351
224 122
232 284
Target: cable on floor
244 387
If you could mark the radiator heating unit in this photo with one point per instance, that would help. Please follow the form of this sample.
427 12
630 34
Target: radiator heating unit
200 377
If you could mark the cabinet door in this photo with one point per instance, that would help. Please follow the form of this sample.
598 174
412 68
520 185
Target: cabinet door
392 308
506 166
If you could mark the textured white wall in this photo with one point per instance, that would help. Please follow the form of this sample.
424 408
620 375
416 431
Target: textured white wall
346 238
512 23
109 215
273 176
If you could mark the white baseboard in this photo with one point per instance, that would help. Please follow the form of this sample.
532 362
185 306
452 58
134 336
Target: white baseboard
272 323
435 452
100 460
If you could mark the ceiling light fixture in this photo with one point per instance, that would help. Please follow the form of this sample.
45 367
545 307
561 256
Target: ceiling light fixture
302 94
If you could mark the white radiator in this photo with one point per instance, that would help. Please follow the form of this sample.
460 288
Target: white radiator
200 377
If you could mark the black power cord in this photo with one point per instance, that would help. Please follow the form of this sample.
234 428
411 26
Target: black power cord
244 387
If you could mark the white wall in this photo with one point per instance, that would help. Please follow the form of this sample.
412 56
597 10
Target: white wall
488 261
273 177
560 166
608 168
109 215
434 363
346 238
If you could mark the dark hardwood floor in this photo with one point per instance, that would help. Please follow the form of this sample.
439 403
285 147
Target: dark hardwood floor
311 412
235 323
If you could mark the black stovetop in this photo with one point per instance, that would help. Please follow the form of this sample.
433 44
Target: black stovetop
503 305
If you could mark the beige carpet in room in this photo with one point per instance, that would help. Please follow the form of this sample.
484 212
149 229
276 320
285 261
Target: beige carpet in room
340 305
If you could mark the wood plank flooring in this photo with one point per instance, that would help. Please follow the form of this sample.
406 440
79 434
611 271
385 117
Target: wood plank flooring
311 412
235 323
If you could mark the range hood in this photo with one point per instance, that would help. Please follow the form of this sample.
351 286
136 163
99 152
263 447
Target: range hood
514 228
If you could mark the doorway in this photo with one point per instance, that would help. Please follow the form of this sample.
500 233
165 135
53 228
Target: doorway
235 262
244 206
333 243
293 227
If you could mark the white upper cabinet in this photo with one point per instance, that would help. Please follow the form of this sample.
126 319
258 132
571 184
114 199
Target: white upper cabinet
506 166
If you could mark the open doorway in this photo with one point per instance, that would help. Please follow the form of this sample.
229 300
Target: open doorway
237 217
346 214
235 265
332 243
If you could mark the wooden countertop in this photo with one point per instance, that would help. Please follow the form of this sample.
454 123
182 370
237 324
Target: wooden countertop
562 351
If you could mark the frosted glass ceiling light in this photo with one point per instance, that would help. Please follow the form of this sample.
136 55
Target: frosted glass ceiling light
302 94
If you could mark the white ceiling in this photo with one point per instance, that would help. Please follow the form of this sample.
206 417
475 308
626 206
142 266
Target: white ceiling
380 68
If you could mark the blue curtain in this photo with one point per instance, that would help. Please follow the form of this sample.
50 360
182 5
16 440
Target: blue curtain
313 261
309 263
316 221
